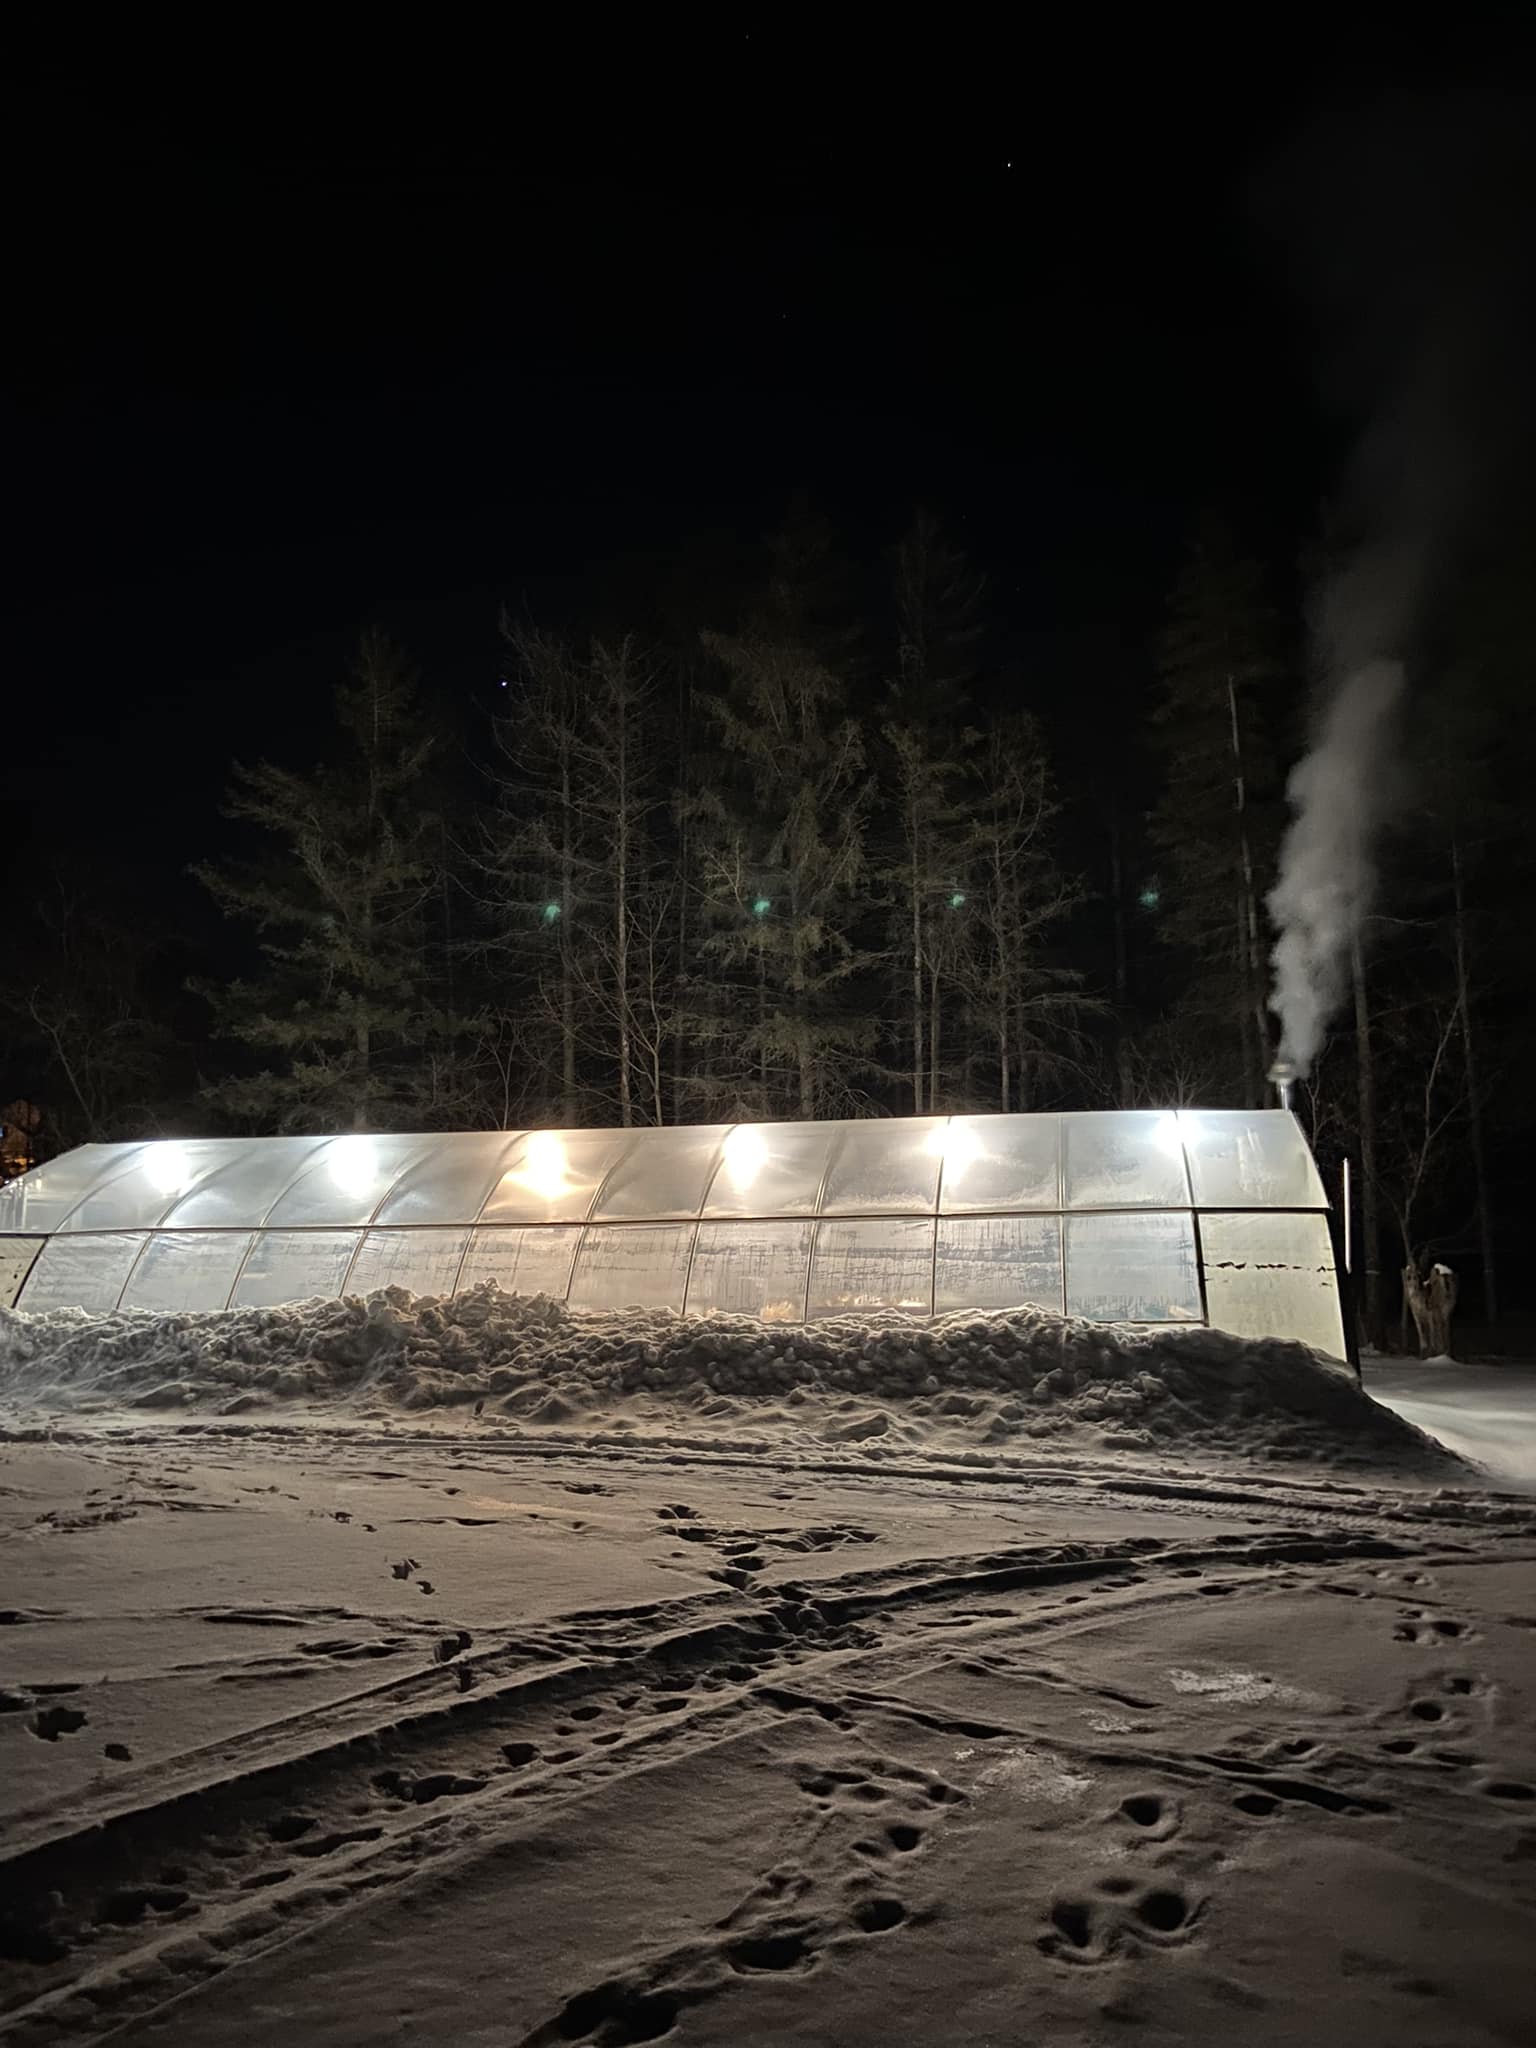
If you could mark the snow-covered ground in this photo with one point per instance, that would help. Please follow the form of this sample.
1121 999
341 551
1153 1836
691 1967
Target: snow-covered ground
1487 1412
347 1716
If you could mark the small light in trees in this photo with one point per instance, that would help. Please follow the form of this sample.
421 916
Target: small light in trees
550 912
957 901
762 906
1150 897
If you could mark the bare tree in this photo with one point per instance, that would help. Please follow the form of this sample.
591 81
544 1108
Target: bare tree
570 864
1030 1010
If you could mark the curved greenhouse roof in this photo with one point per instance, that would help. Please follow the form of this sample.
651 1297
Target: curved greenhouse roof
1151 1216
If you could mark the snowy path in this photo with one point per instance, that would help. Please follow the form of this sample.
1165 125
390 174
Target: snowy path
664 1746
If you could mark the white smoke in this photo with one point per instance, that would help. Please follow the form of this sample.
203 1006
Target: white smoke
1339 794
1407 229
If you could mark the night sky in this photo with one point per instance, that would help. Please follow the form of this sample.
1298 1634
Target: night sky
300 358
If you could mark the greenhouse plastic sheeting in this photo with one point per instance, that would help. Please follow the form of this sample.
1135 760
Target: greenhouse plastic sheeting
1155 1216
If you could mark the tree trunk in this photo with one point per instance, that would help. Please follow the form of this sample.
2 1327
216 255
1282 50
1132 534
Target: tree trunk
1370 1191
764 1106
1004 964
933 1039
567 976
917 965
680 991
621 906
1474 1095
1123 1087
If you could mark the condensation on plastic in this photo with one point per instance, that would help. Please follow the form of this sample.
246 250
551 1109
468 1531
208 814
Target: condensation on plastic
346 1180
242 1188
294 1265
632 1265
1004 1178
890 1165
451 1182
158 1176
186 1269
41 1199
81 1272
998 1262
554 1176
882 1262
772 1170
751 1269
1131 1267
1113 1159
1249 1159
425 1261
16 1256
1272 1276
1001 1162
1127 1158
532 1261
665 1175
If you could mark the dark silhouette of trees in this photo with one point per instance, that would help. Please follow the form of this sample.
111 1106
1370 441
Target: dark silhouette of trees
344 1006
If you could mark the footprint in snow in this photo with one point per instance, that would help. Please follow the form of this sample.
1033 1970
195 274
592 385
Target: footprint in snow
1090 1929
49 1723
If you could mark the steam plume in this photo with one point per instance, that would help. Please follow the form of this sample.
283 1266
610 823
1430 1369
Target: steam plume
1409 226
1327 867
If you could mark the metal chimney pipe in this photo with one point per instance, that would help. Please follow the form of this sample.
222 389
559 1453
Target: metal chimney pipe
1282 1077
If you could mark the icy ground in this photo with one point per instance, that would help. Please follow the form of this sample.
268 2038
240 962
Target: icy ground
344 1720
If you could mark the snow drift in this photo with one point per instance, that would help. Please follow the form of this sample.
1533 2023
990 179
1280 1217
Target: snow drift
881 1382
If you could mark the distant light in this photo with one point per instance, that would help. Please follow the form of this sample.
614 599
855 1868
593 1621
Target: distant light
167 1168
957 1145
957 901
504 683
744 1155
550 912
353 1164
762 906
1150 898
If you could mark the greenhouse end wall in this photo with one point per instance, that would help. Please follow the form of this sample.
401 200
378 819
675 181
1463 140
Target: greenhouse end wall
1187 1216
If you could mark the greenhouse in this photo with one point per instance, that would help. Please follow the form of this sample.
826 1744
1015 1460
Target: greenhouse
1187 1216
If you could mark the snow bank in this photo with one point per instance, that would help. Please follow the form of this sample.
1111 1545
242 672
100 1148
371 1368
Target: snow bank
880 1382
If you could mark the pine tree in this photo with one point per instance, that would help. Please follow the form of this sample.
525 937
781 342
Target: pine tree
1216 822
782 1026
344 1008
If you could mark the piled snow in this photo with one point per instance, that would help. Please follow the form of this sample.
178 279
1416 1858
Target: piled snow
881 1382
